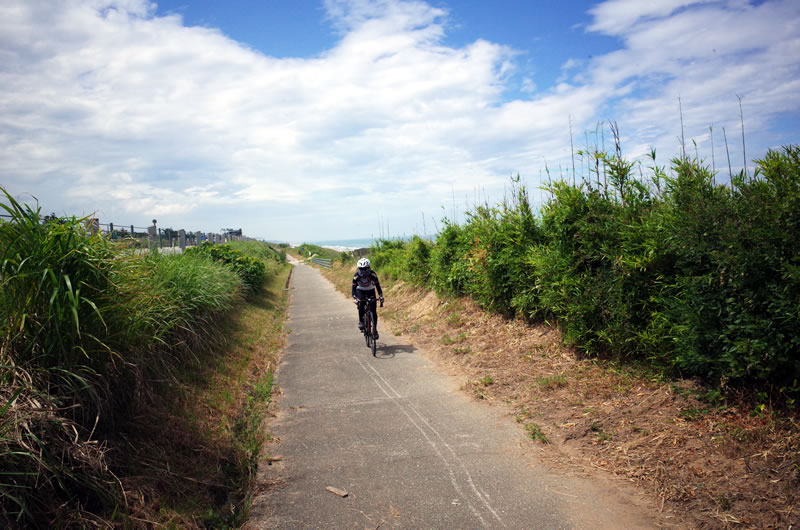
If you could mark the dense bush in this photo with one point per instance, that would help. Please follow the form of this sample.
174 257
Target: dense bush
679 271
388 256
251 269
417 259
736 299
484 258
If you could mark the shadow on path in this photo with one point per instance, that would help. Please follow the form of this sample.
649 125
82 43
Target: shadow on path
389 351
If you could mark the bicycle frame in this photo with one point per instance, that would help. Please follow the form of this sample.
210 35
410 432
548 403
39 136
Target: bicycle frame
368 322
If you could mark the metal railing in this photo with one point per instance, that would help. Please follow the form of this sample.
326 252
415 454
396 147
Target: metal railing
322 262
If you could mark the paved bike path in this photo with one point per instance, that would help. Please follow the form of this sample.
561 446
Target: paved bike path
409 448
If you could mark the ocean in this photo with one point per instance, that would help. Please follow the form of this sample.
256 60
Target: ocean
345 244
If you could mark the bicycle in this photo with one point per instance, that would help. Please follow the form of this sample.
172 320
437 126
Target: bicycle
368 320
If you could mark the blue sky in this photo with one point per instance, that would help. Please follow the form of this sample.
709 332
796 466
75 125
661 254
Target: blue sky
546 34
311 120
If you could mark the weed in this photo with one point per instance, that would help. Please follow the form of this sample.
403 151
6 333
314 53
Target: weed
535 433
461 350
454 320
723 502
552 382
487 380
448 340
523 415
602 435
692 413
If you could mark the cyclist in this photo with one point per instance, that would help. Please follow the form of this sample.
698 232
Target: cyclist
365 281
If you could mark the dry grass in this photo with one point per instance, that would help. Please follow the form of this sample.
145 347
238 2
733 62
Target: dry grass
706 462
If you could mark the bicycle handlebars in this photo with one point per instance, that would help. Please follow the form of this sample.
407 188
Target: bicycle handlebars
368 300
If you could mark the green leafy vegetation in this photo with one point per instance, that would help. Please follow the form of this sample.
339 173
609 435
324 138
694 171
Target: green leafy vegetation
667 268
92 337
249 267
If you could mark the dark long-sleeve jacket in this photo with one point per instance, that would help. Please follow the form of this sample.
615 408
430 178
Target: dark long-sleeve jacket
366 281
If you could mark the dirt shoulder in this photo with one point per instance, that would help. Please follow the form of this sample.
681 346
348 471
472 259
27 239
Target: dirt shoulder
707 462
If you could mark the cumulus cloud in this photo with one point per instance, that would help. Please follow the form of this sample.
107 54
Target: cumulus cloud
108 106
708 54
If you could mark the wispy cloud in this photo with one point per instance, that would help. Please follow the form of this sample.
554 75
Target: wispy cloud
106 106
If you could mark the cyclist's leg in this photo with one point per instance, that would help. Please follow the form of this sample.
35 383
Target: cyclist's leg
360 306
373 308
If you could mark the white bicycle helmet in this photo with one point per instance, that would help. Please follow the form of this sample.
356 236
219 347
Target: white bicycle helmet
363 263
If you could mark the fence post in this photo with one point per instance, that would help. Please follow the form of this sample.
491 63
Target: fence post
151 236
111 230
153 231
93 225
182 238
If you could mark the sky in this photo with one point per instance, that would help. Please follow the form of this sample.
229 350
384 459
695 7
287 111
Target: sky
314 120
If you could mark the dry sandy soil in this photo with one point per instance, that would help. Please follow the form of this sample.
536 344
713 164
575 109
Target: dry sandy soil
708 461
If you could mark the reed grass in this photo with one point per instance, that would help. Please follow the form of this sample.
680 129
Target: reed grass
88 336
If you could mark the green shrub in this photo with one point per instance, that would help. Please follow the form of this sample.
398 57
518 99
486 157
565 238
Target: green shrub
734 306
388 257
485 258
417 261
678 271
448 260
251 269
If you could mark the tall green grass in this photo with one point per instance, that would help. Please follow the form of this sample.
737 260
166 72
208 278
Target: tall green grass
262 251
670 267
87 335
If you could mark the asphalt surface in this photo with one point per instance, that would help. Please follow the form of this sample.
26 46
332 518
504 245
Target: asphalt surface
399 437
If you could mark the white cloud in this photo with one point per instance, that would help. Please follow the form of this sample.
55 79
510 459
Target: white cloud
706 54
106 106
616 16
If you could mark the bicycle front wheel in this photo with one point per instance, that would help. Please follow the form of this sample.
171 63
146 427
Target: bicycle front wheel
374 344
367 330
